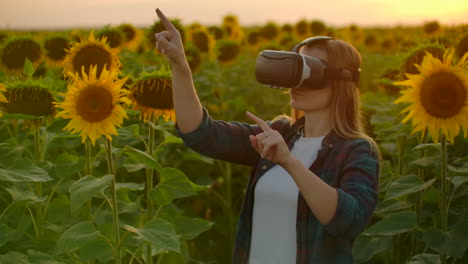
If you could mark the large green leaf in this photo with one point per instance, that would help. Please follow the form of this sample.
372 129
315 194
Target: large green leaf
24 170
68 164
6 234
171 139
395 224
76 237
14 258
457 181
96 250
142 157
18 195
366 247
85 188
427 161
28 68
173 185
133 165
158 232
189 228
425 259
387 206
37 257
458 170
405 185
453 243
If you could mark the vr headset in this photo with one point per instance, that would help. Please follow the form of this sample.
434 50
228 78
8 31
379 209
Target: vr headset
283 69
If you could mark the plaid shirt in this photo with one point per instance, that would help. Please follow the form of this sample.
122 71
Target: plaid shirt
348 165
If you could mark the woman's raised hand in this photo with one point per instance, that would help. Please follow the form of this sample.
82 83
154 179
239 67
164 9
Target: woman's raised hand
169 42
269 144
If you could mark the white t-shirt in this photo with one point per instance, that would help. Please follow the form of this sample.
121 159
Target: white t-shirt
275 209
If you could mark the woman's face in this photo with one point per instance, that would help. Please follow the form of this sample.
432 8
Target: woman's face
309 99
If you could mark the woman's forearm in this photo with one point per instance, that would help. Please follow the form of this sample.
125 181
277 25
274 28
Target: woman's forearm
321 198
187 106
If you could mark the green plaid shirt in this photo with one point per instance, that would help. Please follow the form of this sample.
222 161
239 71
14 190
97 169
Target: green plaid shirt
348 165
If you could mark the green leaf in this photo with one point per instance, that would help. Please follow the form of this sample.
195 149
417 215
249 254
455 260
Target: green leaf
131 186
96 250
427 161
142 157
462 170
19 195
453 243
14 258
28 68
425 259
130 131
76 237
189 228
24 170
66 165
133 165
457 181
37 257
20 117
387 206
429 146
405 185
158 232
173 185
366 247
161 126
395 224
6 234
171 139
85 188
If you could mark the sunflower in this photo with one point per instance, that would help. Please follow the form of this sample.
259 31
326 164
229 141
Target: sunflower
93 103
2 97
152 95
228 50
30 98
15 50
56 49
202 39
132 36
438 96
114 37
84 54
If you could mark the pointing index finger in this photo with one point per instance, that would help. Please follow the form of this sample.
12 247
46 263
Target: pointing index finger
263 125
167 24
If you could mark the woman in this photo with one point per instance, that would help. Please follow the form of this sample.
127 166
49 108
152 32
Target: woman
314 183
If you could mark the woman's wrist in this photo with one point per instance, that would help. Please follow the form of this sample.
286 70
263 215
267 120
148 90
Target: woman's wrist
290 163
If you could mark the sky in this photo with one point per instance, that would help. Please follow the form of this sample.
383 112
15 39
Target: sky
62 14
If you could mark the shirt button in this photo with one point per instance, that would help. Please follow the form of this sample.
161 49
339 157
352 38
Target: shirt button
264 167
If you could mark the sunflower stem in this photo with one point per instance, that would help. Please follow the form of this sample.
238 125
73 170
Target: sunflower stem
115 213
443 187
88 171
38 160
149 188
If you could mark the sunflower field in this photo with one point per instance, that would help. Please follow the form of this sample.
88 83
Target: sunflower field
93 171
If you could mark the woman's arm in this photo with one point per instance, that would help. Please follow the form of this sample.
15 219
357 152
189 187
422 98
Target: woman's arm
187 105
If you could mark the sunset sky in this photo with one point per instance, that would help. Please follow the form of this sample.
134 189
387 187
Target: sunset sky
40 14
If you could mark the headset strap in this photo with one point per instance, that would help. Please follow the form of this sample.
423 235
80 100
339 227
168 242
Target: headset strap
342 74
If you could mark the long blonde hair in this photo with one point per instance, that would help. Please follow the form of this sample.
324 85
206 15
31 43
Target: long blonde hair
345 103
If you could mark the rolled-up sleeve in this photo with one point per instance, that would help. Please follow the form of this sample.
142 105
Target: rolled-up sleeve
223 140
357 192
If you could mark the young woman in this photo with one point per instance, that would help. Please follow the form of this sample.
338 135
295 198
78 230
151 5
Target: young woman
314 183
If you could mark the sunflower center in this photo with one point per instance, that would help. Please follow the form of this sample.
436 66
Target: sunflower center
155 93
56 48
91 55
14 53
94 104
443 95
35 101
